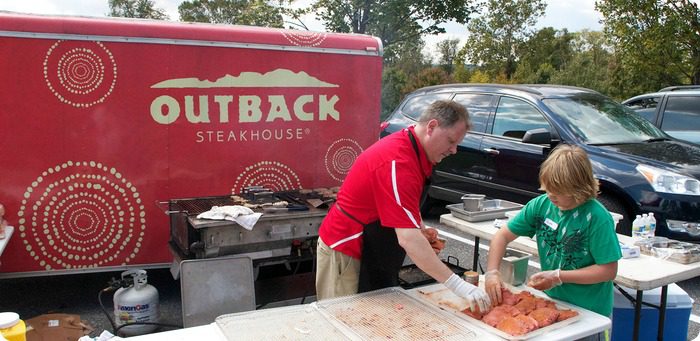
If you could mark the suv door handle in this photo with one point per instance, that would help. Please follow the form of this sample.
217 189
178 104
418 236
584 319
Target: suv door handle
491 151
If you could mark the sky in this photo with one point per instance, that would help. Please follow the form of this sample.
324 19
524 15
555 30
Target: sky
574 15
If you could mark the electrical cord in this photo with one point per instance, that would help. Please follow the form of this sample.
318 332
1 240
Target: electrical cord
115 284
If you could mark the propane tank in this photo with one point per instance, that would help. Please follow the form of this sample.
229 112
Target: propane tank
136 303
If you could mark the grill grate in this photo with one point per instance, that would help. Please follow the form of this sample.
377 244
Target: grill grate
366 314
198 205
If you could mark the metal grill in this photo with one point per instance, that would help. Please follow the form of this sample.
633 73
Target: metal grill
198 205
392 314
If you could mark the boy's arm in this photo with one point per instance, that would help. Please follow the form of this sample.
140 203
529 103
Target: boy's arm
497 248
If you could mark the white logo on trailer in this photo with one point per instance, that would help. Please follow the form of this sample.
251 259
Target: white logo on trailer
81 215
80 73
273 175
340 156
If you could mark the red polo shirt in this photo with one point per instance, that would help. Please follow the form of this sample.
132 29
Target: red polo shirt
385 183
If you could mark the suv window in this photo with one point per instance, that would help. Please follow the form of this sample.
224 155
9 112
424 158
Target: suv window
416 105
479 107
646 107
514 117
682 113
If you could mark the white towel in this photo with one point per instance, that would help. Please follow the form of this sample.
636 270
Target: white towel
242 215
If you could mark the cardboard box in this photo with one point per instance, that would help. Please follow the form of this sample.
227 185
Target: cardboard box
56 327
678 306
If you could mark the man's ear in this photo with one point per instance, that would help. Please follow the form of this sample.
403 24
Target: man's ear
432 124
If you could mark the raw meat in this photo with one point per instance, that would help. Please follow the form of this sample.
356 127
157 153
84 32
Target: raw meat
499 313
517 325
544 316
521 313
566 314
508 297
474 314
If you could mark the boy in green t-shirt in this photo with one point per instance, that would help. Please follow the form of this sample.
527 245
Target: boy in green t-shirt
576 239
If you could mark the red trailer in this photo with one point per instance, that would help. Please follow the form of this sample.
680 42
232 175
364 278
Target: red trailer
102 118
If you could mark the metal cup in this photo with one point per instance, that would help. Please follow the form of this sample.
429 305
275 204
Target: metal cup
473 202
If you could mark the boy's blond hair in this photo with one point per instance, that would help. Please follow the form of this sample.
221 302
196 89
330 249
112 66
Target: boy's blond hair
568 171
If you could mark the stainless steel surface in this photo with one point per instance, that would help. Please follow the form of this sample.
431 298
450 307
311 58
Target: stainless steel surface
490 209
272 235
472 202
214 287
513 267
366 316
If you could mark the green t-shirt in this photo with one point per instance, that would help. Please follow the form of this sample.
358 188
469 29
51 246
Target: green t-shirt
570 240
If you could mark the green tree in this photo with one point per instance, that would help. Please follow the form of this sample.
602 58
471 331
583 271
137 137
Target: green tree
544 53
496 37
136 9
590 65
657 42
447 53
393 21
239 12
427 77
393 81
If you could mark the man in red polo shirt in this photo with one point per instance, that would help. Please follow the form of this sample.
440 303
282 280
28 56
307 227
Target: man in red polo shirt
376 220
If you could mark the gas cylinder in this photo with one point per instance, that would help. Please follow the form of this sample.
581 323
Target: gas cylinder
136 303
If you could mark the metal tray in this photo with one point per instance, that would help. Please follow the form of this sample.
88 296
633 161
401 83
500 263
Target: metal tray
445 299
393 314
298 322
491 209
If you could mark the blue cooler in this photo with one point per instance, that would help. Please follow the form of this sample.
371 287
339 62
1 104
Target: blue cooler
678 307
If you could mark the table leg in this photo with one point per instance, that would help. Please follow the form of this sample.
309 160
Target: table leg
475 262
637 314
662 312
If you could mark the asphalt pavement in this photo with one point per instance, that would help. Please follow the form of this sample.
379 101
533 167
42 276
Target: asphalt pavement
78 293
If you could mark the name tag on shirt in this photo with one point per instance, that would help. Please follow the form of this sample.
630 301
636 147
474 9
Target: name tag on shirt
551 223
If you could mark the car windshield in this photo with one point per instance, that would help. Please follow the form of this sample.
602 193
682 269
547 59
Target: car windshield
599 120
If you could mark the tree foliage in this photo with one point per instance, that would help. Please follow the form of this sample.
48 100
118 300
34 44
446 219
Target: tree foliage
393 21
657 42
239 12
496 37
144 9
447 53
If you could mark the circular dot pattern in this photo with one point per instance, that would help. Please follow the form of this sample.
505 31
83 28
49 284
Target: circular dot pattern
272 175
81 215
340 156
80 73
304 38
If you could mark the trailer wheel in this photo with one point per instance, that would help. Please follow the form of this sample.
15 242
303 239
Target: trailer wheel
624 226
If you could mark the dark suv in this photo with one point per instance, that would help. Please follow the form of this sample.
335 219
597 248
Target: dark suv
640 168
676 110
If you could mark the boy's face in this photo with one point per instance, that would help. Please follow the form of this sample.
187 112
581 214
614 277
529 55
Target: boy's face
563 201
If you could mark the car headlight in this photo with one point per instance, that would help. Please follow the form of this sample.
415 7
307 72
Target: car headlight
669 182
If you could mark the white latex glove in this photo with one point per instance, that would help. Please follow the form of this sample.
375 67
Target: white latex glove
493 284
474 295
545 280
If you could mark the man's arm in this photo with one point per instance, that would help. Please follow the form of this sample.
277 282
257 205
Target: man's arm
422 254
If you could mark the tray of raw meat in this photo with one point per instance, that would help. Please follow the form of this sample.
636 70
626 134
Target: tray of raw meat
522 315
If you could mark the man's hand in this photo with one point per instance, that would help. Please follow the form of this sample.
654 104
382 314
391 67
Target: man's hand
493 284
545 280
474 295
431 235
